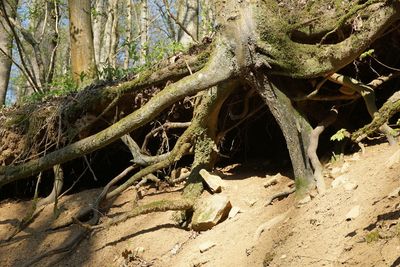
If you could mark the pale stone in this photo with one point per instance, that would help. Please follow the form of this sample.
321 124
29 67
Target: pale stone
305 200
393 160
210 211
342 179
335 172
395 193
355 157
345 168
139 250
206 246
251 202
234 211
350 186
353 213
214 182
175 249
272 179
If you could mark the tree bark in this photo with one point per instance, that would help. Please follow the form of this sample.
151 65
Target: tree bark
188 16
6 40
295 128
98 20
83 65
144 31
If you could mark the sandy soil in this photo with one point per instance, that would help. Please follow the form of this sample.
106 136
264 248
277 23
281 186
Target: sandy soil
286 233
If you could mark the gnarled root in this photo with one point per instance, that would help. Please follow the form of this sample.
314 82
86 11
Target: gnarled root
390 108
280 195
312 149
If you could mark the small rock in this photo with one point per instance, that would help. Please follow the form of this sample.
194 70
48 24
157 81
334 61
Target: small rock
305 200
335 172
353 213
350 186
272 180
175 249
206 246
234 211
393 160
348 247
395 193
345 168
139 250
250 202
210 211
214 182
283 256
355 157
342 179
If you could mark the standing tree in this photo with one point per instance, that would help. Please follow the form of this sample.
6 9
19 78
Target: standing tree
83 66
6 39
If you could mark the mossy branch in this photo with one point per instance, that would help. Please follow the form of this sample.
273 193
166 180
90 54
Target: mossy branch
388 110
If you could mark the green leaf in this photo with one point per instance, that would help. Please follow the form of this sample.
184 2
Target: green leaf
366 54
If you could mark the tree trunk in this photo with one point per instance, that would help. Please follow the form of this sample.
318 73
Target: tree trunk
6 40
83 65
295 128
144 31
98 19
128 33
188 16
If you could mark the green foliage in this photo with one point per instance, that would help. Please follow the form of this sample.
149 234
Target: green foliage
335 157
110 73
340 135
161 50
372 237
366 54
61 85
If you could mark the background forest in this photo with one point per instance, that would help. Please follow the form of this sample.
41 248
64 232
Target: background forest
126 36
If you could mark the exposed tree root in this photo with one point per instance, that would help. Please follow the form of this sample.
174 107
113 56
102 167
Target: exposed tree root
216 71
389 109
57 187
294 126
312 149
157 206
368 94
280 195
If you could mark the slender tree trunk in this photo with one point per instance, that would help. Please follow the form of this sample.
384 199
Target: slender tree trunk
189 18
144 28
112 54
128 33
6 47
83 65
295 128
110 34
98 29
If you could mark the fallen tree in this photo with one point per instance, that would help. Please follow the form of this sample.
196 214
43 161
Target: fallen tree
272 48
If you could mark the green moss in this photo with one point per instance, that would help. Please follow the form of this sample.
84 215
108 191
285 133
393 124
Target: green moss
302 185
372 236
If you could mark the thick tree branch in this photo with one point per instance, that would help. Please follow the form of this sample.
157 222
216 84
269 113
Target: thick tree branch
220 68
